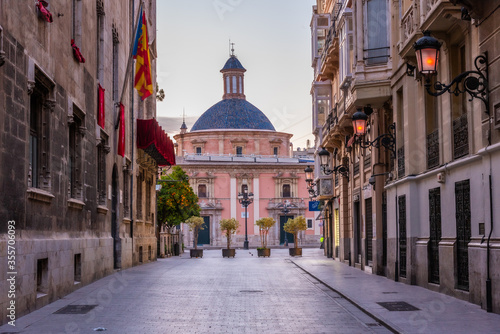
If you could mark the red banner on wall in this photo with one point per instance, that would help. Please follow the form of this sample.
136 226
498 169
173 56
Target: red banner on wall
121 132
100 109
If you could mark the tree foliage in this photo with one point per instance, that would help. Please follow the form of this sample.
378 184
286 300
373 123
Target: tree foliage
176 200
264 225
294 226
195 225
229 227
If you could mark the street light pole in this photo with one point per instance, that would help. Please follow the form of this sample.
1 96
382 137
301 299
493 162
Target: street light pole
245 199
285 210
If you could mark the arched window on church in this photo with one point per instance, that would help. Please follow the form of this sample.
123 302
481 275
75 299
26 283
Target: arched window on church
202 191
286 191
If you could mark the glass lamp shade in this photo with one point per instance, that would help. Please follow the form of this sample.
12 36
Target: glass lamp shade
427 53
324 156
359 122
309 174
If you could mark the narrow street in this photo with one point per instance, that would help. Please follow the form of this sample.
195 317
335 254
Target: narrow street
247 294
209 295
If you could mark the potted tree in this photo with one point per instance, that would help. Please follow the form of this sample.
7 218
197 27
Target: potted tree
264 225
229 227
195 225
294 226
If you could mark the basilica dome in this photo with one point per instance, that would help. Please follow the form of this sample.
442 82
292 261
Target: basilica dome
234 111
233 114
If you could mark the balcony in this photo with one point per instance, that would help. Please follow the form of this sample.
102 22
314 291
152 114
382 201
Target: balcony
434 15
294 203
330 55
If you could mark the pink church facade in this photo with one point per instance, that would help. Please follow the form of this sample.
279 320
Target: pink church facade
233 147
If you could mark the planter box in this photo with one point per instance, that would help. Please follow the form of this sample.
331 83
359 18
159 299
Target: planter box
196 252
264 252
228 252
295 252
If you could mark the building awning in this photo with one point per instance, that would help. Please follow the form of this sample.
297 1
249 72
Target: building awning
155 142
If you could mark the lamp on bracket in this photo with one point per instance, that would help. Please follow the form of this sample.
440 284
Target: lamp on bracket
324 158
387 140
474 82
310 182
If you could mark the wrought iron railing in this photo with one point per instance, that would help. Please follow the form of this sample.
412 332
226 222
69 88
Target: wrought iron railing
433 149
401 162
460 137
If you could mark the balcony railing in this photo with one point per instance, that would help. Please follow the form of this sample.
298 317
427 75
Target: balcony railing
433 149
460 137
330 123
401 162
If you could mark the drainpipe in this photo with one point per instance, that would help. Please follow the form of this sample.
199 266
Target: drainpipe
396 264
489 294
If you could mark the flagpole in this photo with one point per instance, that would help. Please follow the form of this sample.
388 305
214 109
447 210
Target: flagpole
128 63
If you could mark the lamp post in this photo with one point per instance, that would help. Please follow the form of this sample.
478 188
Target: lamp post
473 82
285 210
245 199
324 160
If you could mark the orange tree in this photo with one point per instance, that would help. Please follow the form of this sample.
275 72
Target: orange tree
176 200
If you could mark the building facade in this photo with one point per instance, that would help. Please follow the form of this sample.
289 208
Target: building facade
419 210
78 208
232 148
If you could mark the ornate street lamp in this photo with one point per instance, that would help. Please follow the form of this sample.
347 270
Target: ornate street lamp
309 180
387 140
473 82
245 199
324 158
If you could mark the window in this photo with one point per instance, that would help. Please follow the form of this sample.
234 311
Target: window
77 268
227 85
309 223
116 98
286 191
234 84
239 151
75 157
42 277
34 140
77 22
100 40
102 150
346 49
202 191
41 108
275 151
149 185
244 188
140 184
126 191
198 151
377 48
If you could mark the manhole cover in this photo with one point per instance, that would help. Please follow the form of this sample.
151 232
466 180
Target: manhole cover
251 291
75 309
398 306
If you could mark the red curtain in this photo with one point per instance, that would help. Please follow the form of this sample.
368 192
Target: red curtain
154 141
101 113
76 52
121 132
44 12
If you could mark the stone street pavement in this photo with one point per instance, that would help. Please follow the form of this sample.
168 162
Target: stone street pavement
246 294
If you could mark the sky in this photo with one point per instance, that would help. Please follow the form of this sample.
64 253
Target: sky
272 40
